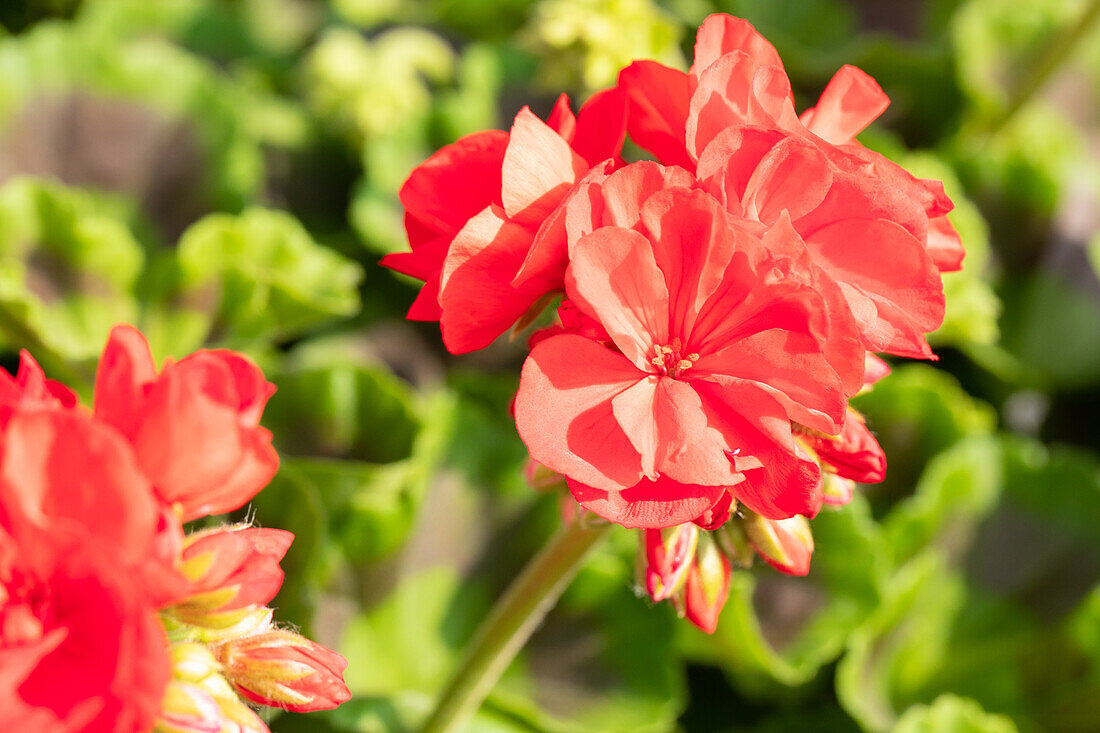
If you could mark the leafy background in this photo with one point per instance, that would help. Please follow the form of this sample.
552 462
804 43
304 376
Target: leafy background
224 173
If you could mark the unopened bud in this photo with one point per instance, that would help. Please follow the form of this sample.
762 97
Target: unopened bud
668 553
785 544
233 567
285 670
707 587
220 626
733 541
838 490
187 708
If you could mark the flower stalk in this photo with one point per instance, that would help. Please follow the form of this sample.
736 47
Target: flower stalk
511 622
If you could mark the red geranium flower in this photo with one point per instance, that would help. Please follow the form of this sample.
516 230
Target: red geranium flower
194 426
78 534
474 209
712 354
732 118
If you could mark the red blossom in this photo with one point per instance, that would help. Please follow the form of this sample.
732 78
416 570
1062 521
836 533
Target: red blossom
475 209
878 231
80 579
711 358
194 426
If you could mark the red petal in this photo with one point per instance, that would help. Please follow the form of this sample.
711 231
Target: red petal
890 281
601 126
720 34
452 185
793 176
780 480
851 101
564 415
730 159
944 246
539 167
665 422
614 277
562 120
477 299
657 110
64 472
648 504
125 370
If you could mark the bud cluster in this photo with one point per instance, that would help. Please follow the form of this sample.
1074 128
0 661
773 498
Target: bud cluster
225 645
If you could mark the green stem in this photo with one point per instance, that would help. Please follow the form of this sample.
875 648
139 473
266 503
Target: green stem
510 624
1057 52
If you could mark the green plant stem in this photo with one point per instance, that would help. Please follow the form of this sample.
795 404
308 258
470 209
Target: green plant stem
510 624
1052 57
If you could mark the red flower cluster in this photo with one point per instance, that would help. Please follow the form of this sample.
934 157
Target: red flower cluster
97 581
719 304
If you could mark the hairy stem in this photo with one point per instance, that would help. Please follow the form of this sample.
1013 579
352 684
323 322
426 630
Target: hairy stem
510 624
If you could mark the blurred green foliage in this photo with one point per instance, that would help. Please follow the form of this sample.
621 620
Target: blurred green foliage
224 173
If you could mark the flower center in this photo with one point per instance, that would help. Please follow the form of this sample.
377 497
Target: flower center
669 360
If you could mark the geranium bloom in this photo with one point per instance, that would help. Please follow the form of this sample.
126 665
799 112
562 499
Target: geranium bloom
194 426
879 232
474 209
78 626
711 355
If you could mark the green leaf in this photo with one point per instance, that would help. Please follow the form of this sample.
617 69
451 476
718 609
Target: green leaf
952 714
412 639
1052 326
916 412
67 271
165 85
958 488
264 276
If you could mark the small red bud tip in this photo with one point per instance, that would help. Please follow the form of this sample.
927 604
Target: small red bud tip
669 554
285 670
785 544
707 587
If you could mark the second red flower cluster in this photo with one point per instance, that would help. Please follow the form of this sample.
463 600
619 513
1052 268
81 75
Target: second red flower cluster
720 304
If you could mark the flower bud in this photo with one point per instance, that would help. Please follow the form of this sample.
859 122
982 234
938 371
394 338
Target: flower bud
707 587
233 567
668 554
188 708
285 670
191 708
785 544
733 542
838 490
